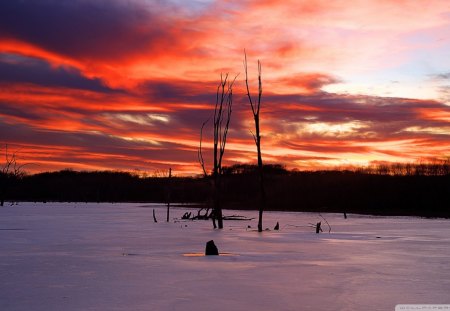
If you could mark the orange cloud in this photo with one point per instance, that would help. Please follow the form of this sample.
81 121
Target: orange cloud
435 114
129 86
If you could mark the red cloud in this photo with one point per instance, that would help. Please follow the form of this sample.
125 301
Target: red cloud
127 86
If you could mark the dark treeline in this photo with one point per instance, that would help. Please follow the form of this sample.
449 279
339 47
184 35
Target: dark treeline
103 186
421 189
350 191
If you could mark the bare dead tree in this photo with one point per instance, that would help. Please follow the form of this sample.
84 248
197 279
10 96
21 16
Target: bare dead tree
256 106
10 170
221 124
222 117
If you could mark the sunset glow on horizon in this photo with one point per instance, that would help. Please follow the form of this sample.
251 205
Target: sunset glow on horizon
126 85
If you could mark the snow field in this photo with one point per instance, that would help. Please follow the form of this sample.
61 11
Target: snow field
78 256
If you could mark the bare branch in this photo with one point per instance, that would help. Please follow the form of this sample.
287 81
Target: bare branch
11 166
200 152
223 130
8 161
329 227
259 87
254 137
246 84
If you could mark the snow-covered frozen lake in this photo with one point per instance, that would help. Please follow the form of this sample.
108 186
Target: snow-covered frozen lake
77 256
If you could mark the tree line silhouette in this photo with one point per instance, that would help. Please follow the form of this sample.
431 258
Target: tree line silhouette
395 189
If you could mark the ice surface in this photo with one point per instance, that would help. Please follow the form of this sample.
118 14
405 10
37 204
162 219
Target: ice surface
77 256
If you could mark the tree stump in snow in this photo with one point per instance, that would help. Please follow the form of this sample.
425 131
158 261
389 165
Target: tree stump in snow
211 248
318 227
277 226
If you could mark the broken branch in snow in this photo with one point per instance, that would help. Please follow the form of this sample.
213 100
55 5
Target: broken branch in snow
236 217
154 217
205 216
186 215
329 227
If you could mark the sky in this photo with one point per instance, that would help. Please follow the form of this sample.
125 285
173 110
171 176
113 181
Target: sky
126 85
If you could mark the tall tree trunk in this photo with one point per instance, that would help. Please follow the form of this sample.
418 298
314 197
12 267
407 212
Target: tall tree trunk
168 194
262 191
217 209
217 212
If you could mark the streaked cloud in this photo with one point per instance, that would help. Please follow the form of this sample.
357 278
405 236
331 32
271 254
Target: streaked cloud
127 84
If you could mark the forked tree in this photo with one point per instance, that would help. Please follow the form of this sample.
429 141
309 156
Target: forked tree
256 108
221 124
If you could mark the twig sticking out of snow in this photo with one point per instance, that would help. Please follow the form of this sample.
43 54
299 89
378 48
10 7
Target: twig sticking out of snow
329 227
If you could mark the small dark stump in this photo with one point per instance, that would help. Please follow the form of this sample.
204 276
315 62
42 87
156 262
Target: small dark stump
318 227
211 248
277 226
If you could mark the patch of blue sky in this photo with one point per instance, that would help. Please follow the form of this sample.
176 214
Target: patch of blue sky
192 6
